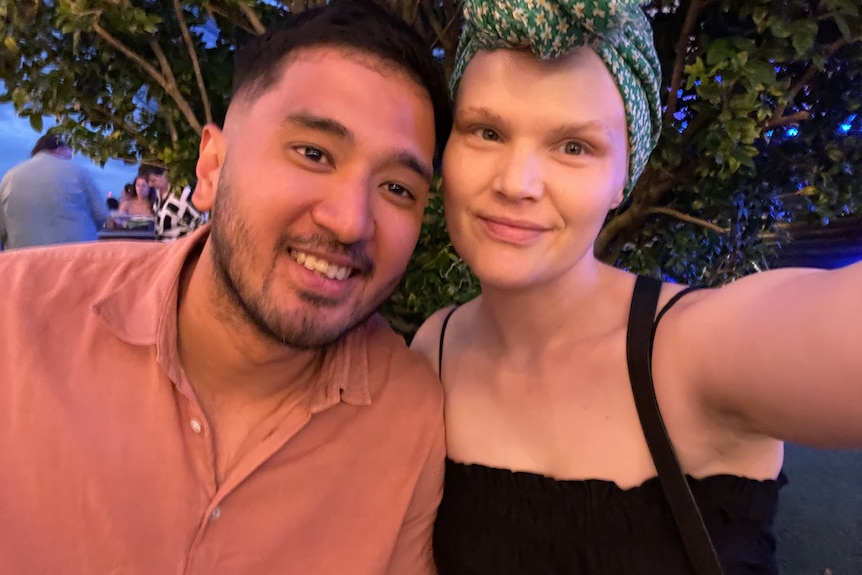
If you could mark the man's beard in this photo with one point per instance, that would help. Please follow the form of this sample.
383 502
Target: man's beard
232 244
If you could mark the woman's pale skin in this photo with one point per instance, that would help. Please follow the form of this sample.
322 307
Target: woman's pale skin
535 368
139 205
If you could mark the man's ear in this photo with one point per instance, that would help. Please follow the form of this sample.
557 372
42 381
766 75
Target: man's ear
210 161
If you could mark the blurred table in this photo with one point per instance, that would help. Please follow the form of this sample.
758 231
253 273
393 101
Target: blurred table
127 235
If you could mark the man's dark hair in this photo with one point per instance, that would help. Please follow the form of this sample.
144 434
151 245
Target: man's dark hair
145 170
48 143
359 25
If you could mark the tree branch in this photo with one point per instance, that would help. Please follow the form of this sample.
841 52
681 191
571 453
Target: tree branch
252 18
99 113
213 11
172 128
613 228
788 120
810 72
449 43
161 79
694 9
196 65
687 218
172 89
440 31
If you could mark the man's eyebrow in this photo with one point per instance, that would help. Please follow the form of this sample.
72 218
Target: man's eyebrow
409 160
319 124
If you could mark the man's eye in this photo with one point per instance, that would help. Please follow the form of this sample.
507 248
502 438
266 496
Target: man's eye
573 148
312 154
488 134
399 190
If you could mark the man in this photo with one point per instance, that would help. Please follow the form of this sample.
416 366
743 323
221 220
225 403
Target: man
49 200
228 403
176 215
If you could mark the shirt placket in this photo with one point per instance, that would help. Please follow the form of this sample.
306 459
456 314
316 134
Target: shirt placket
267 442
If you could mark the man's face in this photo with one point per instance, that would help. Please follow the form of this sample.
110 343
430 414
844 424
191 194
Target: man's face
318 186
159 181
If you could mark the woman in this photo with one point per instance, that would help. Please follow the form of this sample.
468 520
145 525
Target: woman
550 468
138 199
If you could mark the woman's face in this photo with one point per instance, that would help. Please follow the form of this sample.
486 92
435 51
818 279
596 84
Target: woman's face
142 189
537 156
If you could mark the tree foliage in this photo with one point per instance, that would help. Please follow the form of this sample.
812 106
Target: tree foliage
762 122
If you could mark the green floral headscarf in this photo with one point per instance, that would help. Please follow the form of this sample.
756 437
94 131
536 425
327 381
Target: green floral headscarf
617 30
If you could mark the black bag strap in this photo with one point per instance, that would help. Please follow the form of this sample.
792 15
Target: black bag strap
639 344
442 335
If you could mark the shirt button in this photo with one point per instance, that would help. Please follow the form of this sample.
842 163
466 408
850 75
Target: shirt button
216 513
196 425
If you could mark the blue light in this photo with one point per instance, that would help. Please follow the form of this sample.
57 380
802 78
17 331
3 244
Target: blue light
845 127
792 132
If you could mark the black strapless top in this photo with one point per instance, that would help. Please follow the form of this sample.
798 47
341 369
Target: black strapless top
499 522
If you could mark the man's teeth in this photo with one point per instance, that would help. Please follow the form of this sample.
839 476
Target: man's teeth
320 266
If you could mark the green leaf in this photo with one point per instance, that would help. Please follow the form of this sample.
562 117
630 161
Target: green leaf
720 51
835 153
36 122
781 28
843 27
10 44
803 37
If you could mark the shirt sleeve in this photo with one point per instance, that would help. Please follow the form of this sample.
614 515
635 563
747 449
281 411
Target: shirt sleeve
413 554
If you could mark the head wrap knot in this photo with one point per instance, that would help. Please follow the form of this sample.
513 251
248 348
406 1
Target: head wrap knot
617 30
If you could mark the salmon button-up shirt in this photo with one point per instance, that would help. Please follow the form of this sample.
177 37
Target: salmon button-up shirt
107 460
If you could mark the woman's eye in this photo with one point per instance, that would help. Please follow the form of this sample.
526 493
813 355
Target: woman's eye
573 148
312 154
487 134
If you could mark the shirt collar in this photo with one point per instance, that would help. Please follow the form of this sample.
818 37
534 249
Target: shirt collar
142 311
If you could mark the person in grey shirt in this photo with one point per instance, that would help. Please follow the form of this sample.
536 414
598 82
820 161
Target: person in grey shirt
49 200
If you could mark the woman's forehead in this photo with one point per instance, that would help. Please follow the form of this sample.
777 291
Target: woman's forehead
576 87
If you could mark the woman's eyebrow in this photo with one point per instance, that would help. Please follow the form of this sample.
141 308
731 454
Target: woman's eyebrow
484 114
588 127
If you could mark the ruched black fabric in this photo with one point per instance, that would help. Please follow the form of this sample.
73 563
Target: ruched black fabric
498 522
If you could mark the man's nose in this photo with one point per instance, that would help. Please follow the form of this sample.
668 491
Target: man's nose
345 211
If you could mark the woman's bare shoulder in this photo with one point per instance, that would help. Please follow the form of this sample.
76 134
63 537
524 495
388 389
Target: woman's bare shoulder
427 338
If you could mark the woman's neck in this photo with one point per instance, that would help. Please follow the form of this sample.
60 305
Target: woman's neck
582 304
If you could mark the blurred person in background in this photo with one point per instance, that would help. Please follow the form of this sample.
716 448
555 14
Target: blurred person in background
176 215
49 200
139 199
